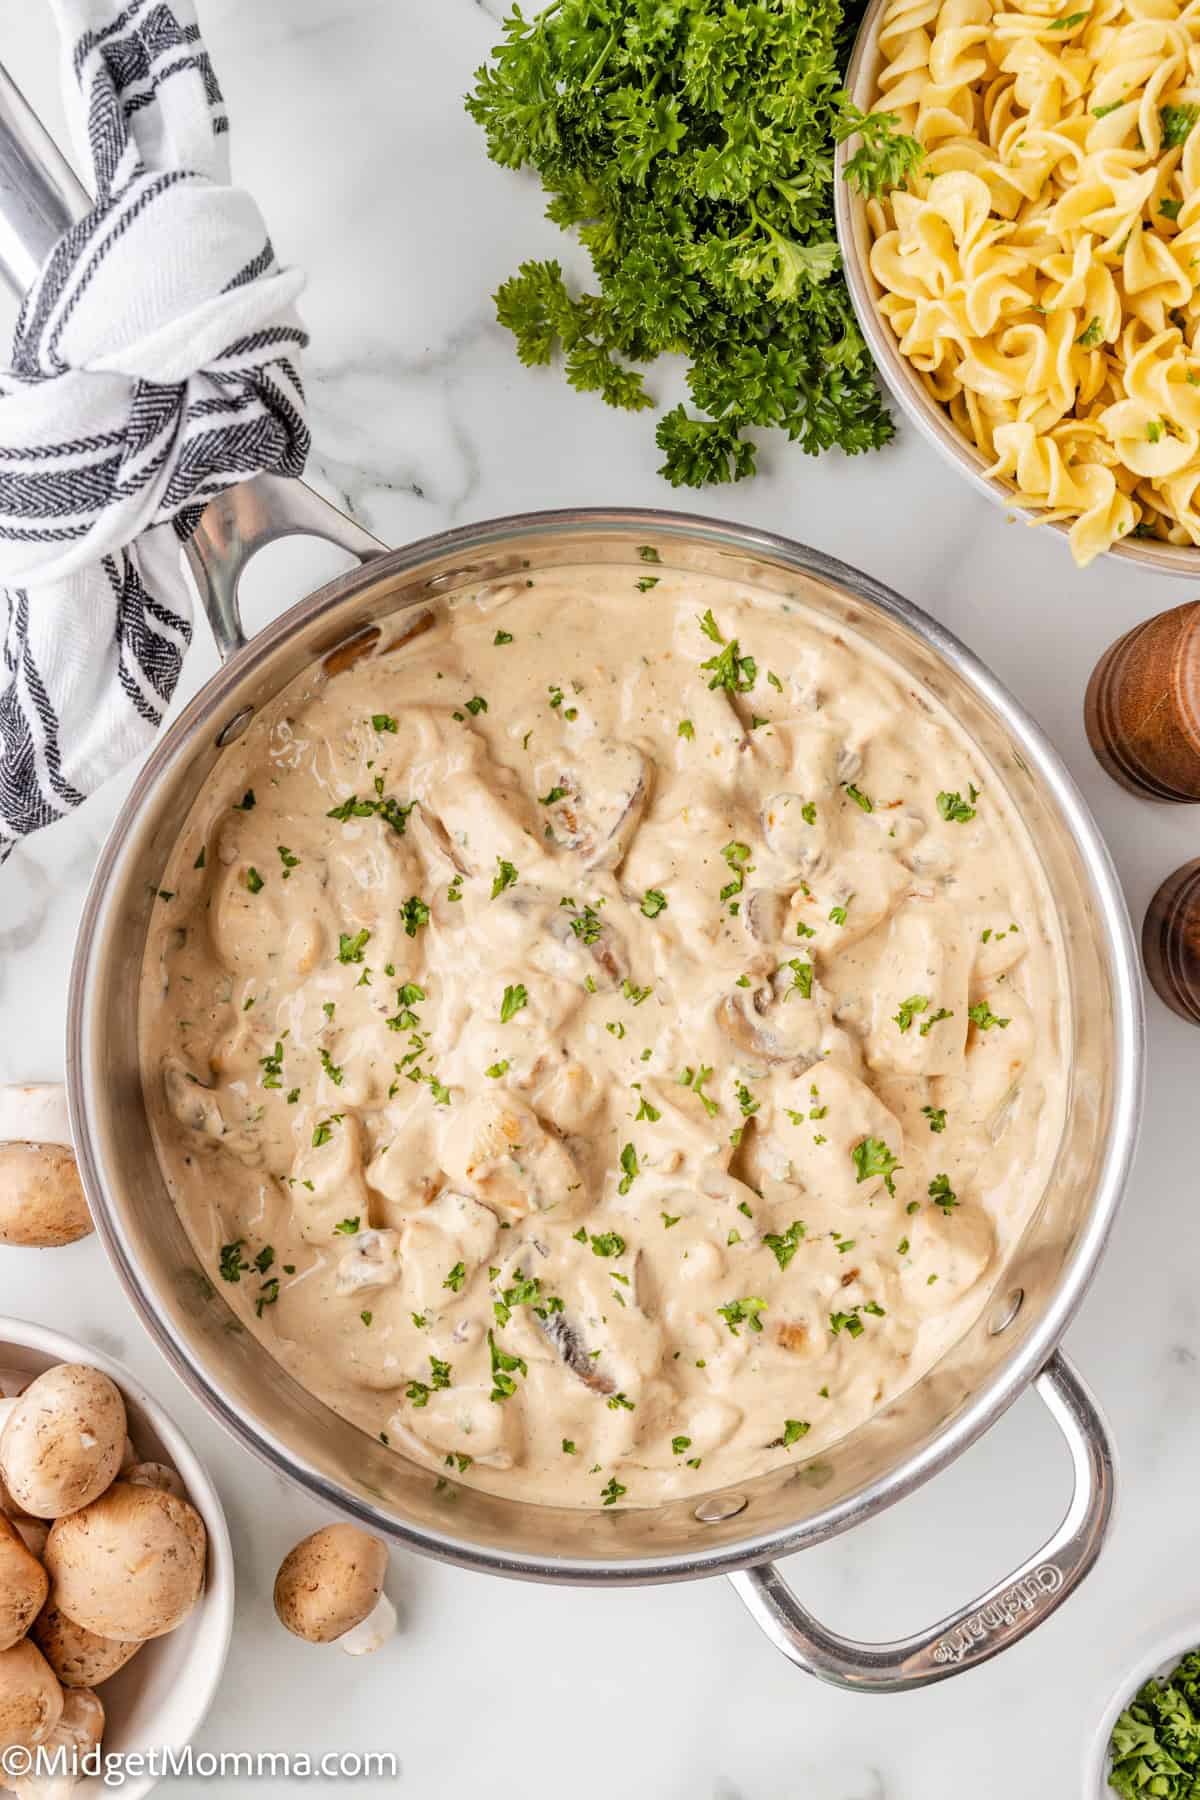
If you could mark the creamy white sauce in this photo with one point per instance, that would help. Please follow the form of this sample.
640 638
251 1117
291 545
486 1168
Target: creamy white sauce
491 1239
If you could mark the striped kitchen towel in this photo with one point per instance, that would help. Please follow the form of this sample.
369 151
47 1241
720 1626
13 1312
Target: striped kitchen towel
154 364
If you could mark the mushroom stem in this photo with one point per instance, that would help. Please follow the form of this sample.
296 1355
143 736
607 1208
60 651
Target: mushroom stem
372 1632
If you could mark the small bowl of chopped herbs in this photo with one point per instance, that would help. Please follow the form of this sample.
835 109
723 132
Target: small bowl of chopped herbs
1147 1743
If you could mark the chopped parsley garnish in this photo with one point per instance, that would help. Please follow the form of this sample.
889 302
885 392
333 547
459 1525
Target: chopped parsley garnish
802 979
935 1019
324 1130
1091 335
366 1317
609 1243
231 1264
680 1444
414 913
916 1003
616 1028
385 722
504 877
202 858
569 1449
737 858
289 861
612 1493
347 1227
456 1277
730 669
670 1219
504 1367
247 803
685 729
1177 122
551 799
382 807
334 1072
859 798
942 1194
654 901
695 1079
872 1157
793 1431
254 880
629 1166
1068 21
954 809
646 1111
646 583
477 705
272 1066
936 1116
350 949
496 1071
982 1015
620 1403
1170 209
783 1245
743 1312
837 914
503 637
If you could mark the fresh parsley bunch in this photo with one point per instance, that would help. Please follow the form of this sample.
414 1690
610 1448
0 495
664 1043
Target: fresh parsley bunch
690 142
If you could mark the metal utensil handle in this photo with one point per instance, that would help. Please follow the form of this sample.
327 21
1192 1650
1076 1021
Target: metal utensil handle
1006 1613
40 199
242 521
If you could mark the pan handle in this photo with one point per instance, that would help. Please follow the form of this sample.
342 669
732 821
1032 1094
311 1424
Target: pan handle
240 522
1015 1606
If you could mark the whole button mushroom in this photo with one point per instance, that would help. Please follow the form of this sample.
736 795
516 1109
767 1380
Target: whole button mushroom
63 1441
42 1205
23 1586
329 1589
31 1700
130 1565
79 1730
80 1658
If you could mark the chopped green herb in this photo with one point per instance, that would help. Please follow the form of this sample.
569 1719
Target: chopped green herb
385 722
784 1245
1177 122
504 877
954 809
254 880
612 1493
1090 337
685 729
936 1116
654 901
514 999
859 798
503 637
982 1015
350 949
743 1312
916 1003
942 1194
872 1157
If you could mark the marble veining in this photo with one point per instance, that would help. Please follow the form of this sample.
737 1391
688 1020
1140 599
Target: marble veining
348 126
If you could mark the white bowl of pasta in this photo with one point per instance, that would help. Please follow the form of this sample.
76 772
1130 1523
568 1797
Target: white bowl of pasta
1027 291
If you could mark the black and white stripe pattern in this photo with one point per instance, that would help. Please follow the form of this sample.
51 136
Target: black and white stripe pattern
155 363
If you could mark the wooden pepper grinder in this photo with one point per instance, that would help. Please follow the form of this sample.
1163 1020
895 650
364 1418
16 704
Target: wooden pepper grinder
1143 721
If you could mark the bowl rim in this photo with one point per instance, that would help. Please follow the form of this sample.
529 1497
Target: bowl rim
1159 1647
1112 919
897 374
220 1584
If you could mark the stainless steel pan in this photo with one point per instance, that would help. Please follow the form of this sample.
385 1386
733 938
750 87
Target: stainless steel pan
735 1531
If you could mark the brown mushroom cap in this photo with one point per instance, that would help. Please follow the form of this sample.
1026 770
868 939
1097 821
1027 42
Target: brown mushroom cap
31 1700
330 1582
62 1442
41 1199
80 1658
155 1475
23 1585
130 1565
79 1730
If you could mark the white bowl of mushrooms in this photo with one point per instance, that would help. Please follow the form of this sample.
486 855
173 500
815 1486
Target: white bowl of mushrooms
116 1570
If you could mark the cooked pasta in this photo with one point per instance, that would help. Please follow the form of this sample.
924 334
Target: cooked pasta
1039 266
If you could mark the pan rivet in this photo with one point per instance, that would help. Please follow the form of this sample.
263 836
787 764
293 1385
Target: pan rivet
236 726
1006 1312
720 1506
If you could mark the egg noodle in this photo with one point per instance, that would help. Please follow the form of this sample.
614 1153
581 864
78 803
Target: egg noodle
1038 266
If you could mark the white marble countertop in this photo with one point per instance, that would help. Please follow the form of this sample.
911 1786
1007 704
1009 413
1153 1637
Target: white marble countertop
349 128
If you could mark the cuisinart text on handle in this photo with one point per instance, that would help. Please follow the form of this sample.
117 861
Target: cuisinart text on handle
1023 1596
